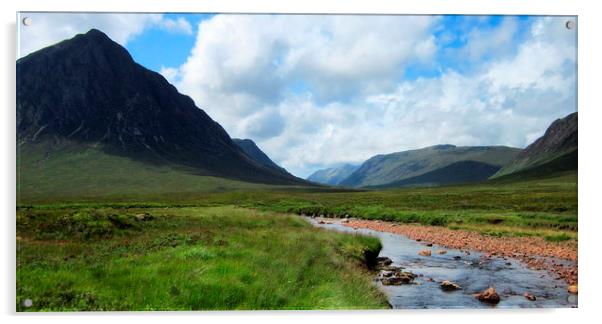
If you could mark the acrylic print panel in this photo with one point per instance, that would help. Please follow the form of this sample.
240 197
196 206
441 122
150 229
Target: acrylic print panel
266 162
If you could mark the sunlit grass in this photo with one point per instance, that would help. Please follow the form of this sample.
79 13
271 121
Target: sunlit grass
188 259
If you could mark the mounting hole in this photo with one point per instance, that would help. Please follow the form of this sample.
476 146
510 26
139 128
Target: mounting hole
27 302
570 24
27 21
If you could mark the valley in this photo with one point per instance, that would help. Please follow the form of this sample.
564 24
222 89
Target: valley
131 197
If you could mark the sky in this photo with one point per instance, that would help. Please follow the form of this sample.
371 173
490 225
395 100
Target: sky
317 91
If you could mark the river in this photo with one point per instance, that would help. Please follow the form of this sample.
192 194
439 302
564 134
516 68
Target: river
473 272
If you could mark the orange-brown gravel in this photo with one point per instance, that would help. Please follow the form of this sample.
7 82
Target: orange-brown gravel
526 249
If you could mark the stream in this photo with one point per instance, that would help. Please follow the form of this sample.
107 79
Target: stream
509 277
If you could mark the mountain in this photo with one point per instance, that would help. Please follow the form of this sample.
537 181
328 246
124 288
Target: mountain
255 153
332 176
395 168
455 173
86 94
555 151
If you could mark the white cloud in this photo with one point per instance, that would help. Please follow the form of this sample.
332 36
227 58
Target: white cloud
179 25
337 56
243 68
493 41
49 28
171 74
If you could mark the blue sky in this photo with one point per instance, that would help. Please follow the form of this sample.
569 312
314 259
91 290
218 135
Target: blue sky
157 47
324 90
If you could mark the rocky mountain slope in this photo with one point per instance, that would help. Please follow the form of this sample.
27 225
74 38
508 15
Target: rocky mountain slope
555 151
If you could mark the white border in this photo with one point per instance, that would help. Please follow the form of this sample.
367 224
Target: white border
589 27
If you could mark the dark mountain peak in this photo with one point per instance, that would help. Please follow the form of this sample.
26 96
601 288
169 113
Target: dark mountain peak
95 33
561 135
94 36
256 154
93 47
87 89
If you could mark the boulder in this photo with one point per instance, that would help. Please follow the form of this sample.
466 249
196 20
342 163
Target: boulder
572 289
391 281
384 260
449 285
144 217
529 296
489 296
390 268
398 279
457 257
441 252
425 252
387 273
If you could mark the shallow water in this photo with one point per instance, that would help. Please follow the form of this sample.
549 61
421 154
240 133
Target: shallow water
472 272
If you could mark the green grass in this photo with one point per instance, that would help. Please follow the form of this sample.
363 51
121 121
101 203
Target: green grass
72 171
198 258
223 244
536 207
544 207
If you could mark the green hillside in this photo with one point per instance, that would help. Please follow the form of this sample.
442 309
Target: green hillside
72 170
563 164
385 169
455 173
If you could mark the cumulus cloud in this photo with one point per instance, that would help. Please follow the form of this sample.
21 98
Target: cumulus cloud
336 57
179 25
49 28
317 91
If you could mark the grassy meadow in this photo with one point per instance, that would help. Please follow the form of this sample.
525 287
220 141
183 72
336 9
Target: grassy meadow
210 244
544 207
195 258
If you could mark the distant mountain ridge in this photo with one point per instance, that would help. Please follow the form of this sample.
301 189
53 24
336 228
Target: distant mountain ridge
332 176
88 93
397 169
555 151
255 153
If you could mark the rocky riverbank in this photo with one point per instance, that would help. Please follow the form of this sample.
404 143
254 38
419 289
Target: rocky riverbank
558 258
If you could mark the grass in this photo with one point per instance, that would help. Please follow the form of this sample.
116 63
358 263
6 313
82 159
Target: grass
546 208
78 172
214 243
188 258
537 207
